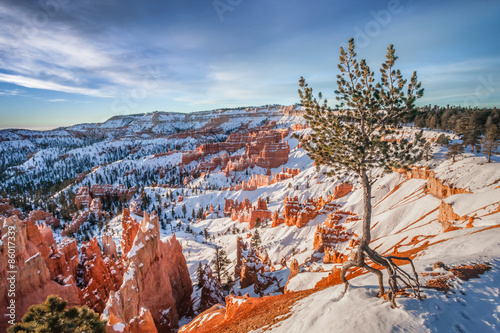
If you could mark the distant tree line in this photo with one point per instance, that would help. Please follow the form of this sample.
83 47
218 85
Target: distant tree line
469 123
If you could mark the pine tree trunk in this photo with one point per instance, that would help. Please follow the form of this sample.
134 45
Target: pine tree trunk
396 274
367 214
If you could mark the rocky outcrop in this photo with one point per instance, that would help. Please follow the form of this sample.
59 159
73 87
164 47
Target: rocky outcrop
294 270
207 321
83 198
150 283
435 186
342 190
109 246
332 279
244 212
263 147
98 190
40 216
35 278
135 208
85 195
101 275
296 213
251 267
331 232
92 215
260 180
277 220
129 230
156 283
448 217
298 127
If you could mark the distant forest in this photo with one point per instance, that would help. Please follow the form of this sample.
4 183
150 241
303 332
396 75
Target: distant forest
469 123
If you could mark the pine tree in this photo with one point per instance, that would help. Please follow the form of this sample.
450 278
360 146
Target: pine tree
443 140
256 240
359 137
427 151
490 141
53 316
221 263
200 275
454 150
473 132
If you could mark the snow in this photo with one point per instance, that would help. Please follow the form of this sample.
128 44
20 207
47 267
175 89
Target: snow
306 280
120 327
134 249
32 258
466 204
473 307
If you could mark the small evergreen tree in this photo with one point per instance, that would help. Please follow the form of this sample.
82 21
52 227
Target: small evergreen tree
473 132
53 316
200 275
454 150
427 151
256 240
221 263
443 140
490 141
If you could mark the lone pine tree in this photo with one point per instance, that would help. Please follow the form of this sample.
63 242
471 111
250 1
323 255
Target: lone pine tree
365 132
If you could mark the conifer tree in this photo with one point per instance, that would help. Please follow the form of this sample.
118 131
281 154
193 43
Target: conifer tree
455 150
221 263
200 275
361 135
490 141
443 140
53 316
472 134
256 240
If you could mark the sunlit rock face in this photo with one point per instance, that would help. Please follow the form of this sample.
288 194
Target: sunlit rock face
156 288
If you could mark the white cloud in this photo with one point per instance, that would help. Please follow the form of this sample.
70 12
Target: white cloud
40 84
11 92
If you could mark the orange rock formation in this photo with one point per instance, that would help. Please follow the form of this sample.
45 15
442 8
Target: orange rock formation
435 186
156 288
299 214
244 212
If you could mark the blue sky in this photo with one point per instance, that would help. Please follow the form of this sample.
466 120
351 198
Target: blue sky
64 62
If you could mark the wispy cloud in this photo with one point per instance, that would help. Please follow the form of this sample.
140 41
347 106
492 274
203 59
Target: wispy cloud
10 92
48 85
